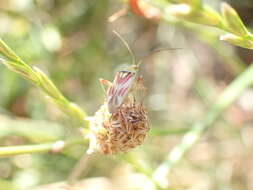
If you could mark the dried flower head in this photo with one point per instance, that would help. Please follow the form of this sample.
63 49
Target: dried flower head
122 130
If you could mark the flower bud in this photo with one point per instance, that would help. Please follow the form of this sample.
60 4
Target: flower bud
232 20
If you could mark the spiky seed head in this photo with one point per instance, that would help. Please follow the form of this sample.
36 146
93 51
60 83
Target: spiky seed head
120 131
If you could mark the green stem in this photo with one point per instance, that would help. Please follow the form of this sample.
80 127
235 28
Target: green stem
165 131
38 78
229 21
229 95
7 52
53 147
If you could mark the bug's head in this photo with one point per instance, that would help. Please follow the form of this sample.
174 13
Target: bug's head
126 67
130 69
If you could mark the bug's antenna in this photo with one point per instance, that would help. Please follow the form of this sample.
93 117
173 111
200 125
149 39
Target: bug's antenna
126 45
157 51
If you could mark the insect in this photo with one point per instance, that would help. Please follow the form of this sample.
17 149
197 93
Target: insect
122 84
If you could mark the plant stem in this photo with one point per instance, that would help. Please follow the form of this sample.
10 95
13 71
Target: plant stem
229 95
200 13
53 147
38 78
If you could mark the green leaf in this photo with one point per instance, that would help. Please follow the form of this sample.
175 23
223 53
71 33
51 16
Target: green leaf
237 40
21 69
232 20
6 52
195 4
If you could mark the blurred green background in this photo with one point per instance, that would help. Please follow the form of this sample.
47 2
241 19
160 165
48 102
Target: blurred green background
72 41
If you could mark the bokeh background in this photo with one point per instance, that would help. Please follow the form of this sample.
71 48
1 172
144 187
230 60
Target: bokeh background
72 41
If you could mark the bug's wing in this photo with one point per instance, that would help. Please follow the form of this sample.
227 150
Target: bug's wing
140 91
117 93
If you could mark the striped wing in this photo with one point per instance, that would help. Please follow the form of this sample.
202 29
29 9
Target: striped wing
119 89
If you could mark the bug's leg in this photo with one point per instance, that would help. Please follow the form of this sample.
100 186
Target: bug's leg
103 83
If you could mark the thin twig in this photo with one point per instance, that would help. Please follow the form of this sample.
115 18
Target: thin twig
79 168
53 147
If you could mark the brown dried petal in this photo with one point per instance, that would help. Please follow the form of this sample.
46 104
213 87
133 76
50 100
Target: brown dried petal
120 131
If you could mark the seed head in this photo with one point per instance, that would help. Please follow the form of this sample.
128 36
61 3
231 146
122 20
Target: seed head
112 133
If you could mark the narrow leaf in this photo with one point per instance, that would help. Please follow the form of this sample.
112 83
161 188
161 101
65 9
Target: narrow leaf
232 20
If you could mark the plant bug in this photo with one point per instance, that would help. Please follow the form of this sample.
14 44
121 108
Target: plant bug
125 81
122 84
